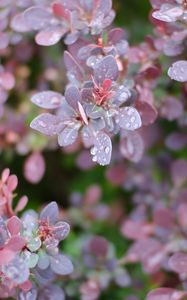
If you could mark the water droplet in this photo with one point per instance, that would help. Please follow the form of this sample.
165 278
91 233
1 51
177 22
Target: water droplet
107 150
93 150
124 96
42 124
55 100
39 100
94 158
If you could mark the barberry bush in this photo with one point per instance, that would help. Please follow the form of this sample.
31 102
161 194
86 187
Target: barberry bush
93 122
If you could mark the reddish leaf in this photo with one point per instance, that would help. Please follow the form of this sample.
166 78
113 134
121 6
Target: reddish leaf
16 243
14 225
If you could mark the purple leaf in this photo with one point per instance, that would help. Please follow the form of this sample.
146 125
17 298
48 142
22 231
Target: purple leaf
85 52
158 3
178 71
73 96
71 38
104 6
106 69
61 265
17 270
102 149
122 47
46 123
168 13
116 35
29 295
165 294
178 263
144 250
132 146
87 94
49 36
51 291
171 108
48 99
68 135
98 246
18 23
61 230
70 4
129 118
37 17
179 171
173 48
72 66
176 141
44 277
50 213
147 112
4 40
163 218
43 260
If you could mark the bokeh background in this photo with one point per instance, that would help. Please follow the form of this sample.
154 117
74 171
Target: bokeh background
64 182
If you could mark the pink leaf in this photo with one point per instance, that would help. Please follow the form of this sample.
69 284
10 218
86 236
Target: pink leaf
5 175
165 294
82 113
21 204
16 243
34 168
136 230
14 225
6 255
7 80
12 182
26 286
163 217
60 11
